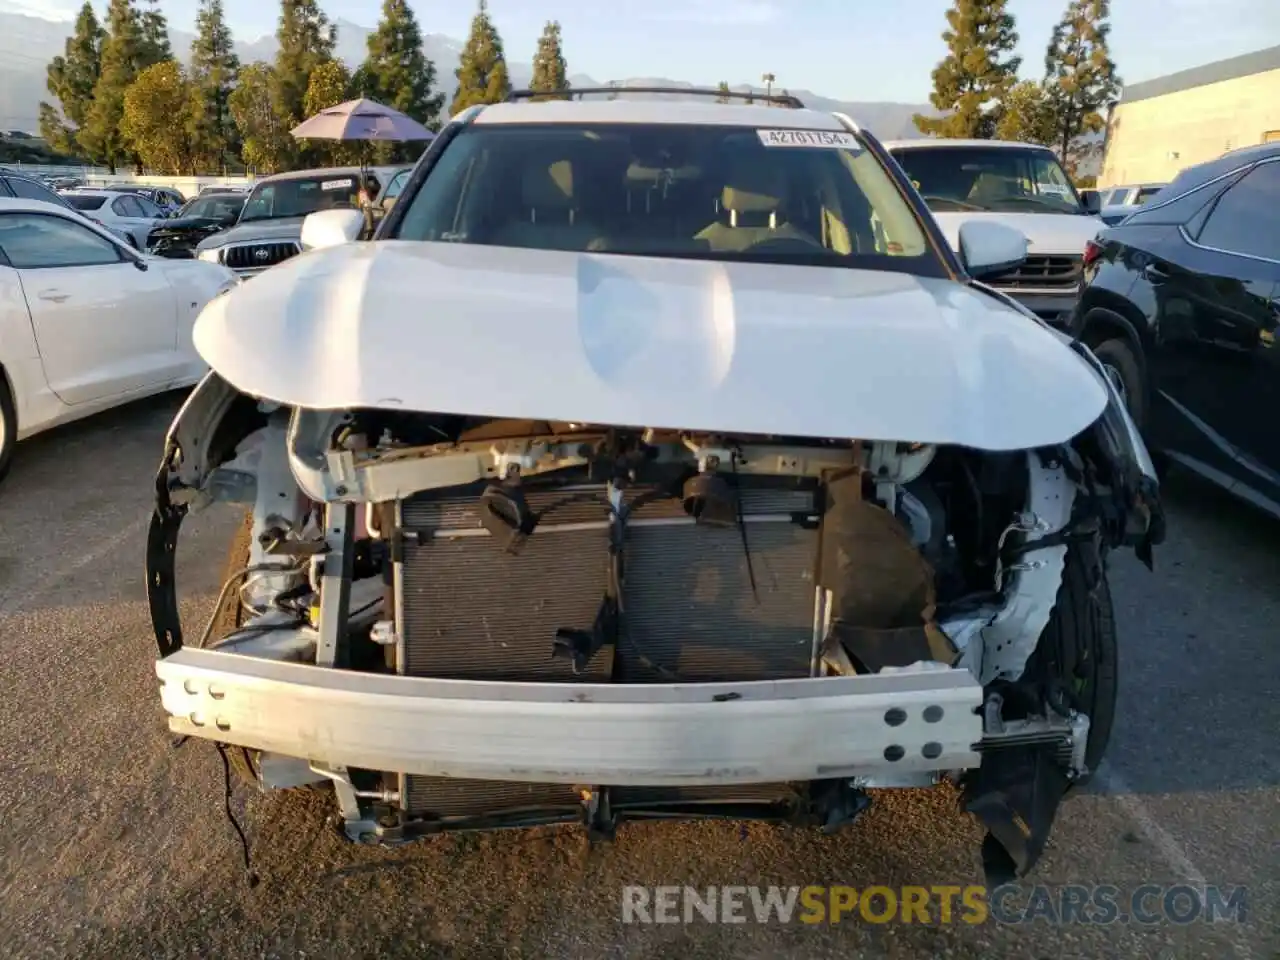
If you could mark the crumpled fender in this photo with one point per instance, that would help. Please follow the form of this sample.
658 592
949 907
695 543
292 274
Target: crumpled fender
213 421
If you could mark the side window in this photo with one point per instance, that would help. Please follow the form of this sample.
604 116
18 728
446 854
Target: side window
32 240
1246 218
29 190
120 207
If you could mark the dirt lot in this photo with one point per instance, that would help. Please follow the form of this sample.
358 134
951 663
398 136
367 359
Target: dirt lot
113 844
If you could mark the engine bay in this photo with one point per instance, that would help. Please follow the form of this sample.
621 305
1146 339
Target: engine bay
491 550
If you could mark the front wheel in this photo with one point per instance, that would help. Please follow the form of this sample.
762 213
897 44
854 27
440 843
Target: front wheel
1078 653
1121 364
8 426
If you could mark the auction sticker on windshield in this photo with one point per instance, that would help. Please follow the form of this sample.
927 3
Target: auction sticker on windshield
821 139
336 184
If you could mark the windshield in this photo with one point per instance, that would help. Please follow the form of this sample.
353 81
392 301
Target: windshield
714 191
297 198
216 207
989 178
82 202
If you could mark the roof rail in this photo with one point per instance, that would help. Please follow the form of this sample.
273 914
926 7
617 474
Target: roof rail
568 93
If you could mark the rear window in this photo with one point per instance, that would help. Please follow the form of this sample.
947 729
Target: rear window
85 203
1003 179
709 191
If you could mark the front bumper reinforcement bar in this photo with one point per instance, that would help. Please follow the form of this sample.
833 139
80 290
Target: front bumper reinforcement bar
619 734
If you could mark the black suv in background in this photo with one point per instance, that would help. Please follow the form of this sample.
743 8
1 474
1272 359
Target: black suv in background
1181 303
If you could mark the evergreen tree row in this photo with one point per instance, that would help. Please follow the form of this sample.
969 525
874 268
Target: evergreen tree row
976 85
122 98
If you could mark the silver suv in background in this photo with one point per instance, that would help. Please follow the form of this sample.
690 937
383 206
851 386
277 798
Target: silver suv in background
1020 185
269 230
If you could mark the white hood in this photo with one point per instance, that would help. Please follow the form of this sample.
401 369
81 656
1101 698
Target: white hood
744 348
1050 233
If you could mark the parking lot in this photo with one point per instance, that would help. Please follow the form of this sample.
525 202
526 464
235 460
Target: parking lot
114 844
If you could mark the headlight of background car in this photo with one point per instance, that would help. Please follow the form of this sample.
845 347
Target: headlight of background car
212 255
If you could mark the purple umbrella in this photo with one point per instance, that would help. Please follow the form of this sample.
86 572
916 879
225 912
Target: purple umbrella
361 120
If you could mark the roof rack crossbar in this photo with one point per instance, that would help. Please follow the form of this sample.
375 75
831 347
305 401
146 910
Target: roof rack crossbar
569 93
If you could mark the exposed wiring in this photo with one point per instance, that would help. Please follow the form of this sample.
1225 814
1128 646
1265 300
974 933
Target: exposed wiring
250 876
231 583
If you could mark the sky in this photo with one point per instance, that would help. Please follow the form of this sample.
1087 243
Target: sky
861 50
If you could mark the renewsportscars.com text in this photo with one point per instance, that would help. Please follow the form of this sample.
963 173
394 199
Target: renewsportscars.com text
1098 904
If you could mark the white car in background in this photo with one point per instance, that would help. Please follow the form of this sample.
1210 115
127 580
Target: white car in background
127 213
1020 185
87 323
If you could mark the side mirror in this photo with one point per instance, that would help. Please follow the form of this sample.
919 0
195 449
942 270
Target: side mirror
988 249
1092 200
331 228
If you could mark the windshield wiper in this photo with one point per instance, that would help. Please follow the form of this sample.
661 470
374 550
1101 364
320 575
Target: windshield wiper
933 201
1058 206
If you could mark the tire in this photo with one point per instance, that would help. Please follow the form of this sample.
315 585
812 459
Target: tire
1079 647
227 619
1118 356
8 426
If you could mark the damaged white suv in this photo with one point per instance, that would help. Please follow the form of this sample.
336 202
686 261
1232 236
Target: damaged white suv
656 459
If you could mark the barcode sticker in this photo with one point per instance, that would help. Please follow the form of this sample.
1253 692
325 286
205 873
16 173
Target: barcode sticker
819 139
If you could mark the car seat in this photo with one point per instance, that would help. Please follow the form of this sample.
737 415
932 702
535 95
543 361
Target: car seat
753 205
549 212
991 188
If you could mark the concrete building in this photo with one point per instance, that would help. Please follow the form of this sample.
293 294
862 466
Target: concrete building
1163 125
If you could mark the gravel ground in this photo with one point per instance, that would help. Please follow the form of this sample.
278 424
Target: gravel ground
113 844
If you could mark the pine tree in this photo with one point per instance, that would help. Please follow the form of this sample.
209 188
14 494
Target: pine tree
306 40
71 79
977 73
724 92
133 43
155 35
214 66
397 72
550 72
482 67
1080 76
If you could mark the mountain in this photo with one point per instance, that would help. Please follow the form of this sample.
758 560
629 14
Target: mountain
27 44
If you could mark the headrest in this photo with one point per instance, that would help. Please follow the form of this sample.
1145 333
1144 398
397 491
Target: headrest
754 188
549 187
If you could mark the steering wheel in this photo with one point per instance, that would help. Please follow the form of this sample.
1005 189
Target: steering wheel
786 245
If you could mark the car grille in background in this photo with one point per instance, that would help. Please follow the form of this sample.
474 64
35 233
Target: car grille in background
1042 273
470 610
259 256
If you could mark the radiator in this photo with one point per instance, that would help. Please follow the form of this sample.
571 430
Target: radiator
467 609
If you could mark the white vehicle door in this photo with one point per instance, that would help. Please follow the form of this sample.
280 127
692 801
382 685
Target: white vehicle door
105 322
